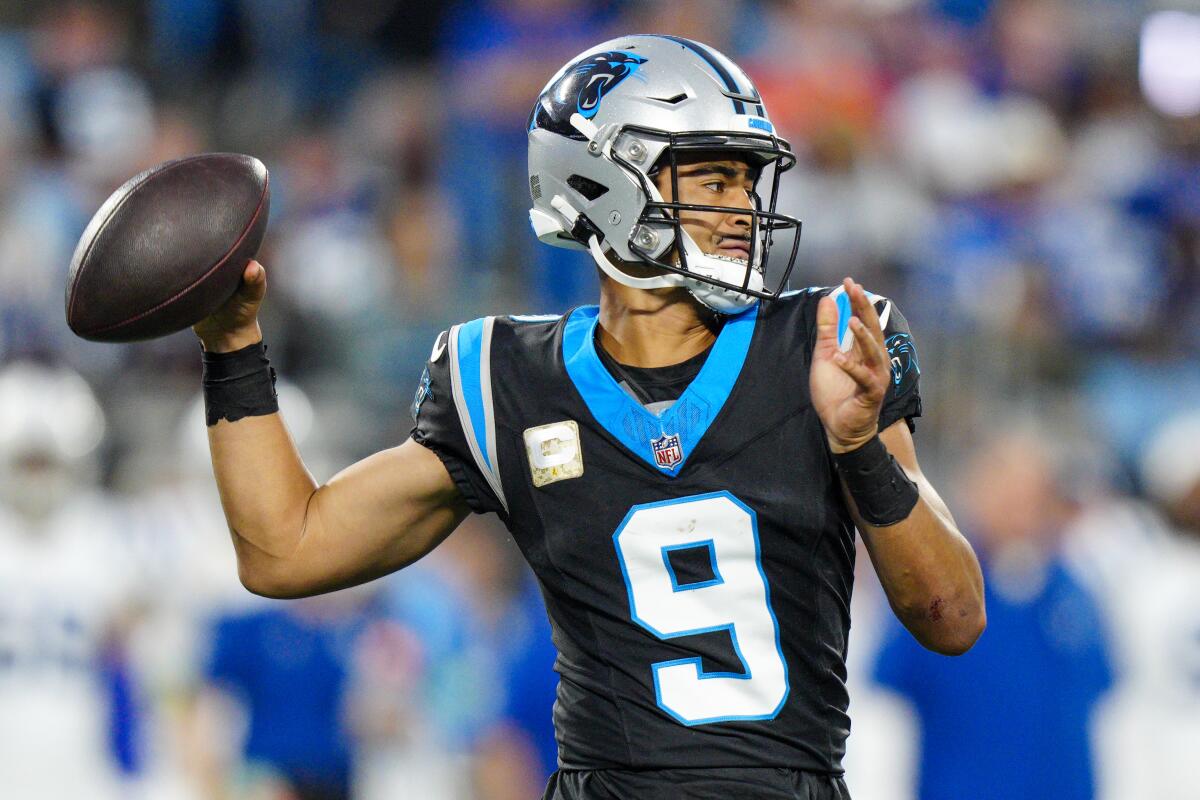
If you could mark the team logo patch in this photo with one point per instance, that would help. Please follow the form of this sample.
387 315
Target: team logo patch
554 452
599 75
668 452
903 355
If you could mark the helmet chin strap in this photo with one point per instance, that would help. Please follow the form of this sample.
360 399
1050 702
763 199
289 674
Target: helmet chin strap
719 299
723 301
620 276
560 204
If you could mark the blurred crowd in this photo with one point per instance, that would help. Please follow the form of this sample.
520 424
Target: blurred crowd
1021 176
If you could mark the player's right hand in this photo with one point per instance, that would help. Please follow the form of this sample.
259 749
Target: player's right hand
235 324
847 387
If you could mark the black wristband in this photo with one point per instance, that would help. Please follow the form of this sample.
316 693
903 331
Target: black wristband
238 384
880 488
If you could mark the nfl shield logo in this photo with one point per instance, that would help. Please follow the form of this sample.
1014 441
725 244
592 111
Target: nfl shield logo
667 451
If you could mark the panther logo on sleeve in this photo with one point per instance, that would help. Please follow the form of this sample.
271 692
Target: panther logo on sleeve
903 355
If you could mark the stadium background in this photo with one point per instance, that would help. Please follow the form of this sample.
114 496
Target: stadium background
1021 176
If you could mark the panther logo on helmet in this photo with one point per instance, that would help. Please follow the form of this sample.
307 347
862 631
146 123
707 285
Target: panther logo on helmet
601 73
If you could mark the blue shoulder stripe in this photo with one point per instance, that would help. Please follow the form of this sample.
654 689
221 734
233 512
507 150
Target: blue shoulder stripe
844 314
471 381
467 358
845 341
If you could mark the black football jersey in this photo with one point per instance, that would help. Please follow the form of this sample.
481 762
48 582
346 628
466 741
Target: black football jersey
696 564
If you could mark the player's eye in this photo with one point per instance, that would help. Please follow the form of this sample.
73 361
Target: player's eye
715 186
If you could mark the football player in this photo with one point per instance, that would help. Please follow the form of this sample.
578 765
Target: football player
1143 560
683 465
68 588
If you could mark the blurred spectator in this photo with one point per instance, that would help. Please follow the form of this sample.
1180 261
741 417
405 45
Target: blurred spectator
1033 56
94 122
424 689
456 685
520 752
287 666
1144 562
1129 392
68 593
1010 718
881 752
336 270
498 56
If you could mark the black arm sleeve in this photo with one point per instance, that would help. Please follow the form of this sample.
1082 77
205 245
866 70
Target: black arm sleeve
438 427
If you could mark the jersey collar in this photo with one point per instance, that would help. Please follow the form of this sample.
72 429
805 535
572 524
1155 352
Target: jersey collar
627 420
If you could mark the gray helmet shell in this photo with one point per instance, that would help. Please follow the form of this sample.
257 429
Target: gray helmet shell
604 121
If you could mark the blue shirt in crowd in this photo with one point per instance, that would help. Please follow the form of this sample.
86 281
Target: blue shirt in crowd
1009 718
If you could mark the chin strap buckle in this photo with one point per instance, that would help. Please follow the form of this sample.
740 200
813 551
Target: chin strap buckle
582 228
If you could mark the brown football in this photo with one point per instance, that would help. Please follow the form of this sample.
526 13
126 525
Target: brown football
168 248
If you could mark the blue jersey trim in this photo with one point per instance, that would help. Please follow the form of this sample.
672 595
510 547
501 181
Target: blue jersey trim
614 409
470 347
844 313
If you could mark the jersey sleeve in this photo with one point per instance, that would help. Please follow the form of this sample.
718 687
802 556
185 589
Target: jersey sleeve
903 399
452 413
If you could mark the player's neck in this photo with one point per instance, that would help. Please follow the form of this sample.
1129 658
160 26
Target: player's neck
654 328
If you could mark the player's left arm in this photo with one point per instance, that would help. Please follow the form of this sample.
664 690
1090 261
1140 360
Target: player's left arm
927 568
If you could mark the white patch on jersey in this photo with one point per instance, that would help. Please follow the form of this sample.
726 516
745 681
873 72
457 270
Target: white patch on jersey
439 346
534 317
554 452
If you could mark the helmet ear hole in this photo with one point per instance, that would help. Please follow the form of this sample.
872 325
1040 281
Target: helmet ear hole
587 187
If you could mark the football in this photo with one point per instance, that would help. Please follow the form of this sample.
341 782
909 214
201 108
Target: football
168 248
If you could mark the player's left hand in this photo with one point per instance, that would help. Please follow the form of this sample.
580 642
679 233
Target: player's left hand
847 388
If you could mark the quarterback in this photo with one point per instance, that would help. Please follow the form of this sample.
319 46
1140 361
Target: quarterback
684 465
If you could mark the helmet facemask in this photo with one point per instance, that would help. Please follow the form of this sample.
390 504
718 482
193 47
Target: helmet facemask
660 239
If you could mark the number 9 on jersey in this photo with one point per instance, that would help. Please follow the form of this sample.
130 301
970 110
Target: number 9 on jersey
735 598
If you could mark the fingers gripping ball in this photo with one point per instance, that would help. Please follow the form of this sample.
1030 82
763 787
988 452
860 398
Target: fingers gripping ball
168 248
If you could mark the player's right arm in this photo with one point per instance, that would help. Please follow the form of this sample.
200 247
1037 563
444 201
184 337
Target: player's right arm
293 537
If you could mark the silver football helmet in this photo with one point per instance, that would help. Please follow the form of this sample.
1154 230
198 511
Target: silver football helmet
50 428
618 113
